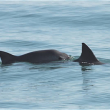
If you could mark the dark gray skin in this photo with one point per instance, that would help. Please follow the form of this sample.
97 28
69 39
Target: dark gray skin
42 56
87 57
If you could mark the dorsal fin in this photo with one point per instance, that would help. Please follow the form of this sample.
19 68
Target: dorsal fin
87 55
7 58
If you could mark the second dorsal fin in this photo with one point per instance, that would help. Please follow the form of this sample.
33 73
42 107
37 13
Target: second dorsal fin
87 56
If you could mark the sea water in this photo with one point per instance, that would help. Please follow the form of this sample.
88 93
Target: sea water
27 26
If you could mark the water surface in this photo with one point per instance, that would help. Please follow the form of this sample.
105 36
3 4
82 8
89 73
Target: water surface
61 25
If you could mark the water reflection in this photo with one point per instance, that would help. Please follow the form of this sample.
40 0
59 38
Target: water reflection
49 66
87 80
45 68
86 68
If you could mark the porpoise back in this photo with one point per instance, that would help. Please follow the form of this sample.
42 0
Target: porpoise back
42 56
